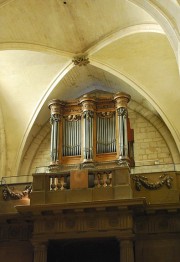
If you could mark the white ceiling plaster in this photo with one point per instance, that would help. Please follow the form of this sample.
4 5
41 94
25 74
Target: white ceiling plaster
127 46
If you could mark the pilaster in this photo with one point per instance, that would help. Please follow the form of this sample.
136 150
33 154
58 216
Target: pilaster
121 100
55 106
88 108
40 252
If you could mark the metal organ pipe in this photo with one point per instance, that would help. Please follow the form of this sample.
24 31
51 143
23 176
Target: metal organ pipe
72 136
106 133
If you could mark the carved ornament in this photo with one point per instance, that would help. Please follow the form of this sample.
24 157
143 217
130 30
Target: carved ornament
122 111
71 118
122 99
81 60
55 105
88 103
88 114
9 194
143 181
55 117
105 114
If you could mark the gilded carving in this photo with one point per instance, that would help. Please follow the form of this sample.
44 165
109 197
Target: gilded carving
122 111
88 114
72 118
108 114
122 99
55 118
55 106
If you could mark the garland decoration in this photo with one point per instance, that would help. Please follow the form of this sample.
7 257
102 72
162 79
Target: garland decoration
9 194
143 181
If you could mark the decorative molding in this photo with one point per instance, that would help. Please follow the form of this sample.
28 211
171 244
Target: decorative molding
106 114
88 114
71 118
143 181
157 223
53 118
15 230
82 222
81 60
122 111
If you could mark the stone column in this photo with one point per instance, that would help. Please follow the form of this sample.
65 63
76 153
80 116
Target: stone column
55 106
121 100
126 250
88 108
40 252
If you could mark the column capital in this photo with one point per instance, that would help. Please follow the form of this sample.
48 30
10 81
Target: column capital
55 105
129 237
88 103
122 99
39 243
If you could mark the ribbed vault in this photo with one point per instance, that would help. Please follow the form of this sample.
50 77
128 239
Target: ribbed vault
132 46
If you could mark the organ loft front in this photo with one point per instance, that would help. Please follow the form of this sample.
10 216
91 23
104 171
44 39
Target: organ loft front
89 203
87 184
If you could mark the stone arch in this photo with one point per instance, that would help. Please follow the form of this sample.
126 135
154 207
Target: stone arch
33 148
2 146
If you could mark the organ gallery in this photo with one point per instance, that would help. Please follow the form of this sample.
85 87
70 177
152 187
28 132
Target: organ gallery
87 205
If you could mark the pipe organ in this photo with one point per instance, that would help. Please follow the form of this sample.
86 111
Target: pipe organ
106 132
71 136
91 129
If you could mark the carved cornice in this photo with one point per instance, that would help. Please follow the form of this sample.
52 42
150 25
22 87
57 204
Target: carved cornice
120 204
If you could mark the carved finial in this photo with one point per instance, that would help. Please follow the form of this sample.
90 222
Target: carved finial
81 60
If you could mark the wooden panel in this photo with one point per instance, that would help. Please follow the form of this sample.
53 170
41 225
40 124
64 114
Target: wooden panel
79 179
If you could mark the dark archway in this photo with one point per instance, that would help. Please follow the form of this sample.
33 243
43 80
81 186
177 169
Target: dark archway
84 250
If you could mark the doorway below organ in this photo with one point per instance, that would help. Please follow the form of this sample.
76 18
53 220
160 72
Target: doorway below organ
84 250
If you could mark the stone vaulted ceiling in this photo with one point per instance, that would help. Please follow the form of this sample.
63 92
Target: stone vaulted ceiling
132 45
